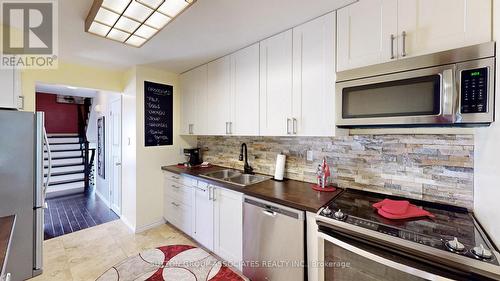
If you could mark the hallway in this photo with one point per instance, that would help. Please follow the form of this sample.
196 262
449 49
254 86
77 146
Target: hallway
75 212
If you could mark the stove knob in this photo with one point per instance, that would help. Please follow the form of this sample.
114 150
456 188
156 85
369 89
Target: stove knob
482 252
339 215
455 245
326 211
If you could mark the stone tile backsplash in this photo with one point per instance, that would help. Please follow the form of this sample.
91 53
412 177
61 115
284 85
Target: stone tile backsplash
437 168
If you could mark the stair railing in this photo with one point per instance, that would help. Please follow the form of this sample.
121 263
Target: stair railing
83 118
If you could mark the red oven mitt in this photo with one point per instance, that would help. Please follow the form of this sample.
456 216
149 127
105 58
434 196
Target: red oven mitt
400 209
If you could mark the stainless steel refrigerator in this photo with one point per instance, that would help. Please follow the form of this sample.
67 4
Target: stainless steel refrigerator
22 188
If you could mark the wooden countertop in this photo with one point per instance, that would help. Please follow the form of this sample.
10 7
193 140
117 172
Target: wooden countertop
6 227
295 194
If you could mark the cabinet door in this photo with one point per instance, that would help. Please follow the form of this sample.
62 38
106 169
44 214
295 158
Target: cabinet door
438 25
8 96
314 77
276 84
204 217
245 92
218 97
188 101
193 101
228 236
364 32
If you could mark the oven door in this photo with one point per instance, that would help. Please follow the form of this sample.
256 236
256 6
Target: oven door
424 96
348 259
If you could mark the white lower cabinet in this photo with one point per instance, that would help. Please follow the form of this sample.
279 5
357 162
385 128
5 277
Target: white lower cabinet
203 231
212 215
228 215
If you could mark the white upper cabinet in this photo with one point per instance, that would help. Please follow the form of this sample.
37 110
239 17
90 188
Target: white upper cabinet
437 25
10 96
364 32
218 106
376 31
193 101
276 85
245 92
314 77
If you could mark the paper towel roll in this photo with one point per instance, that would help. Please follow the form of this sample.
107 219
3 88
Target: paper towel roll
280 167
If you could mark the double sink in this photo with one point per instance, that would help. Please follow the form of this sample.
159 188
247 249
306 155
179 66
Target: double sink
235 177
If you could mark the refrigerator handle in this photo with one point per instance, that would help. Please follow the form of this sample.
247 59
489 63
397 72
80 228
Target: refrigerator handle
49 169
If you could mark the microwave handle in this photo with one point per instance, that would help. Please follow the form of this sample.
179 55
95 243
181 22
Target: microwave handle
448 92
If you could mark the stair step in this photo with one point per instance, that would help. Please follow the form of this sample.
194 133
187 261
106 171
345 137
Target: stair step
55 179
65 146
62 157
55 174
64 153
62 135
64 140
65 168
70 161
66 181
65 189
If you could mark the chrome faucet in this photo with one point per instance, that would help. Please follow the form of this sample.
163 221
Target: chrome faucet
247 169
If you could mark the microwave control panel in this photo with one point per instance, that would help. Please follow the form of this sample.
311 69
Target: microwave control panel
474 90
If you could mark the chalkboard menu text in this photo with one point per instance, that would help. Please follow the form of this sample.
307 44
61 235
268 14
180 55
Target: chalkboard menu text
158 114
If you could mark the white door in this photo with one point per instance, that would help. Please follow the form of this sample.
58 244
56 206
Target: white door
218 97
115 196
439 25
204 217
276 85
364 31
8 96
314 77
245 92
228 242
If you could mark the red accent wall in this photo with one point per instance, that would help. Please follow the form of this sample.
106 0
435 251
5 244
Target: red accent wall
59 117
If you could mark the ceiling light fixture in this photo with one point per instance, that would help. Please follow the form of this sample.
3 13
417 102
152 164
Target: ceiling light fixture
132 22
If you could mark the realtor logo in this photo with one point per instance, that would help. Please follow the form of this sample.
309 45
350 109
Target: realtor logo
29 35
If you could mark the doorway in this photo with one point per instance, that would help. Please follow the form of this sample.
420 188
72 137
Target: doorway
84 129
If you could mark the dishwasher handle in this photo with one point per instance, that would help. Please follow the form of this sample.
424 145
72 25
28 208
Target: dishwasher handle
269 213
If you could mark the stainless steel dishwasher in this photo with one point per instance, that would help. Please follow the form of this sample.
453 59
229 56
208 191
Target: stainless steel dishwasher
273 241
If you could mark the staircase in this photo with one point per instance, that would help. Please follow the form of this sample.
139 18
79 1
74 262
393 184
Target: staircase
72 159
68 170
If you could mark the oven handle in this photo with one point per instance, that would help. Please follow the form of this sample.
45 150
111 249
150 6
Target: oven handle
448 93
381 260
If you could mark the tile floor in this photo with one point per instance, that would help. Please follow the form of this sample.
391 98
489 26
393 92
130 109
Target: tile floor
75 212
86 254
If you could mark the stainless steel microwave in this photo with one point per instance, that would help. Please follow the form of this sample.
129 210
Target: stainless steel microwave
450 88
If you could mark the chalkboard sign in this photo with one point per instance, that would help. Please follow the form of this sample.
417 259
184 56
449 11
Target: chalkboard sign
158 114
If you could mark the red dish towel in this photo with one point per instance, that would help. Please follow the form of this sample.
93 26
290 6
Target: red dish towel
400 209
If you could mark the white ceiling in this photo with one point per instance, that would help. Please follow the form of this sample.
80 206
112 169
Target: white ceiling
207 30
65 90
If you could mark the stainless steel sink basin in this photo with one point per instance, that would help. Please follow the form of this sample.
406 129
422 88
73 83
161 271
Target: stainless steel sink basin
235 177
245 179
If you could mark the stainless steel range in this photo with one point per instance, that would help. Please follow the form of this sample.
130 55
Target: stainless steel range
356 243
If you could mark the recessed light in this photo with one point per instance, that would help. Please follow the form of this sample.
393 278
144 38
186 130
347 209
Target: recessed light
71 87
132 22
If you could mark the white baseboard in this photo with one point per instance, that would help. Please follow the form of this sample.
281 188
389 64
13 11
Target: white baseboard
102 198
128 224
149 226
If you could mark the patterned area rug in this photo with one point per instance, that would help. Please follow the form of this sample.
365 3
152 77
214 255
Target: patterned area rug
176 263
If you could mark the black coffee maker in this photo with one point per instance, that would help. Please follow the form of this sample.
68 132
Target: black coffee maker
193 156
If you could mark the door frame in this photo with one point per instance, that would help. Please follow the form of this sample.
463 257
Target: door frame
116 207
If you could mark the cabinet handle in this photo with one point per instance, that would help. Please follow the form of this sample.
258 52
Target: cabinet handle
175 186
213 193
288 126
227 130
21 101
231 128
209 192
190 129
176 177
294 126
175 204
403 34
392 46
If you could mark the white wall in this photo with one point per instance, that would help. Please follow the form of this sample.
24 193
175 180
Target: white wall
100 108
487 158
129 200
